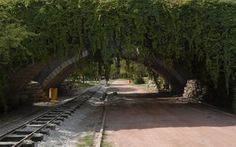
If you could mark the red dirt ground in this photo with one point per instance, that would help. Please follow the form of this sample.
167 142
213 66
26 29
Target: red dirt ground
159 123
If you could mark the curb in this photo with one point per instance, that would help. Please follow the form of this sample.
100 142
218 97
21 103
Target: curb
101 132
216 109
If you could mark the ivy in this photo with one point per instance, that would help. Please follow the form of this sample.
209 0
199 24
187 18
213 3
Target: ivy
198 33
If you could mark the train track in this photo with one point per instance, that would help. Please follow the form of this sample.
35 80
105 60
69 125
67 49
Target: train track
33 131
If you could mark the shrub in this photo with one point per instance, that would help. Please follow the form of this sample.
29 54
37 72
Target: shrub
139 80
234 101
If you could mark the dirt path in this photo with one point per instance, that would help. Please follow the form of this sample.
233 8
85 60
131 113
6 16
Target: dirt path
159 123
123 87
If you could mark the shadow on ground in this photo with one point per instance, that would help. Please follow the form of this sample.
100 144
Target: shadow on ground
122 89
160 112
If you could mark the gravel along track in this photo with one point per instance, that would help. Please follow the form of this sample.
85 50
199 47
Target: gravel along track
69 133
85 121
25 113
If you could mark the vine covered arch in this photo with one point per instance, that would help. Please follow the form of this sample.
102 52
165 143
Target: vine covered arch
197 35
176 77
53 73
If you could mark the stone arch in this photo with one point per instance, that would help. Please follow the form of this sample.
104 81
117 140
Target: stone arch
175 76
56 72
51 74
38 76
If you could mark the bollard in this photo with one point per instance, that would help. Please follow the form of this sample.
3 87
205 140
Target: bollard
53 94
129 81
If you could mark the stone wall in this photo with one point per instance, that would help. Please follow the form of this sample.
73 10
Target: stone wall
18 85
194 91
33 92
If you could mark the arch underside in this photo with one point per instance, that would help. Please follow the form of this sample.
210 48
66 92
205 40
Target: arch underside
49 74
55 71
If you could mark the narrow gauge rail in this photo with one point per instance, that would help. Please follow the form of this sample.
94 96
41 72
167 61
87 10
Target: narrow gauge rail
32 131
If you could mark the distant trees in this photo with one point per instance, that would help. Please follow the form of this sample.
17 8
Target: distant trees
130 70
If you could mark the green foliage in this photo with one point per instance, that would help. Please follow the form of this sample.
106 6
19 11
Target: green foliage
138 80
86 141
197 33
159 81
130 70
12 52
83 74
119 69
136 72
234 101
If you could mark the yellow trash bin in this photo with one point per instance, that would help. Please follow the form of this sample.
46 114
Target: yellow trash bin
53 94
129 81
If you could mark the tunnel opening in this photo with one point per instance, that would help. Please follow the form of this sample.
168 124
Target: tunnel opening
173 81
54 73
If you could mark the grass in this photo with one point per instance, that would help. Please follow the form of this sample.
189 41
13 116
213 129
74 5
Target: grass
86 141
105 143
85 84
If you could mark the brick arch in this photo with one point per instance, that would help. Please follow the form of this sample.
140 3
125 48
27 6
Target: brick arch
59 70
52 73
175 76
37 76
41 72
58 75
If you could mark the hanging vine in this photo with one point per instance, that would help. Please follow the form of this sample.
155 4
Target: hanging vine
193 32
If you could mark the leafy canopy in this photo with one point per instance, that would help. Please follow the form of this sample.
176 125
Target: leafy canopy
199 33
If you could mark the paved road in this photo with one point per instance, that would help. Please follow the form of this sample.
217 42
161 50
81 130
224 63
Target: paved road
161 123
